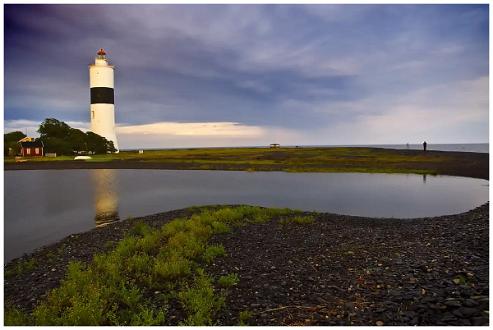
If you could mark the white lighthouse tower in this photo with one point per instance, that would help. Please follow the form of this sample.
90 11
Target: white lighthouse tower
101 82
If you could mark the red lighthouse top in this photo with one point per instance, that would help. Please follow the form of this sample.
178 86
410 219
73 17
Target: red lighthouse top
101 52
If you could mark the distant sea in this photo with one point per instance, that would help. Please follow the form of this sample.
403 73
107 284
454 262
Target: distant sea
464 147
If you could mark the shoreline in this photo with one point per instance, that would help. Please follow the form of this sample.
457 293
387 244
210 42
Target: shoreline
323 160
286 284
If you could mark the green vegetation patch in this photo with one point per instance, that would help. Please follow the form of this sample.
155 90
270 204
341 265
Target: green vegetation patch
200 301
305 159
229 280
135 283
244 317
21 267
299 220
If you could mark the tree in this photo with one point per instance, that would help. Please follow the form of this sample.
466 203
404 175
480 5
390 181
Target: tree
11 145
59 137
54 128
78 140
98 144
56 145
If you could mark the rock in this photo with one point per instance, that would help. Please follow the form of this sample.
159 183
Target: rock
452 303
468 311
458 313
480 321
465 322
379 323
470 303
448 317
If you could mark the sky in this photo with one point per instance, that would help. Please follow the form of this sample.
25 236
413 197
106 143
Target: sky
245 75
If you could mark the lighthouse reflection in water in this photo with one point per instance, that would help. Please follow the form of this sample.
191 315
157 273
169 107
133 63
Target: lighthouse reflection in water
105 196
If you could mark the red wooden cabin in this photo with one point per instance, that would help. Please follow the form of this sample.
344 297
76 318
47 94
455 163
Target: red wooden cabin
32 148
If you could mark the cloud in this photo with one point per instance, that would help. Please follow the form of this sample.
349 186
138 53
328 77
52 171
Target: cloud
173 134
205 134
194 129
438 115
31 126
305 72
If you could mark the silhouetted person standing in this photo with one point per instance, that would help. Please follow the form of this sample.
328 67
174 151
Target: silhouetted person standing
424 146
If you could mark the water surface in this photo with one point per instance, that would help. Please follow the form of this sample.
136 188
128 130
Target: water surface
42 207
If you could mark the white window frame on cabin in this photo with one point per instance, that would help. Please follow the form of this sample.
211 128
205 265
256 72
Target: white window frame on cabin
36 151
28 151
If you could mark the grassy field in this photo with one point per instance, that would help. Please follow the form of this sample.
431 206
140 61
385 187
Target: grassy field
288 159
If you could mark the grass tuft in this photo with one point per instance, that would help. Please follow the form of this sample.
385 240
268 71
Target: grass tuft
213 251
14 316
298 220
20 268
244 317
229 280
199 301
139 229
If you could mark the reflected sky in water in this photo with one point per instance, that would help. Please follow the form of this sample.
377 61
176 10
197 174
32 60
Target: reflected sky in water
41 207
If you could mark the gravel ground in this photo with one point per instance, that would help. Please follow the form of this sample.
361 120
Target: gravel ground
345 270
339 270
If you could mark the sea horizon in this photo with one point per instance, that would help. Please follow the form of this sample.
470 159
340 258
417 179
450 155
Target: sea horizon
461 147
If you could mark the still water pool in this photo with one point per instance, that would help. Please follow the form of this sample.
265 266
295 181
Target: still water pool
42 207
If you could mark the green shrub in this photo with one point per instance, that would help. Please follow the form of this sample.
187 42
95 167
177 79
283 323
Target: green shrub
173 227
127 246
140 263
244 317
187 244
140 228
147 316
21 267
14 316
213 251
229 280
150 243
172 268
300 220
220 227
199 301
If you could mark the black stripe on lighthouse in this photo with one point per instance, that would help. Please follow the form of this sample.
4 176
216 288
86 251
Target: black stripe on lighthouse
102 95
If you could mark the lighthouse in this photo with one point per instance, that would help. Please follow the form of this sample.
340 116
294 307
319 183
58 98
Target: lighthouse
101 83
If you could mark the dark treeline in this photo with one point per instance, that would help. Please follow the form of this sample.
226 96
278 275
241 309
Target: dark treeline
11 143
60 138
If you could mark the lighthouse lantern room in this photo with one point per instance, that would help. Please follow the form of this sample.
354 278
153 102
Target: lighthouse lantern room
101 83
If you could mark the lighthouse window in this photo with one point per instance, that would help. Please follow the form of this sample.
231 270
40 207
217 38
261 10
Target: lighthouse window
92 114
